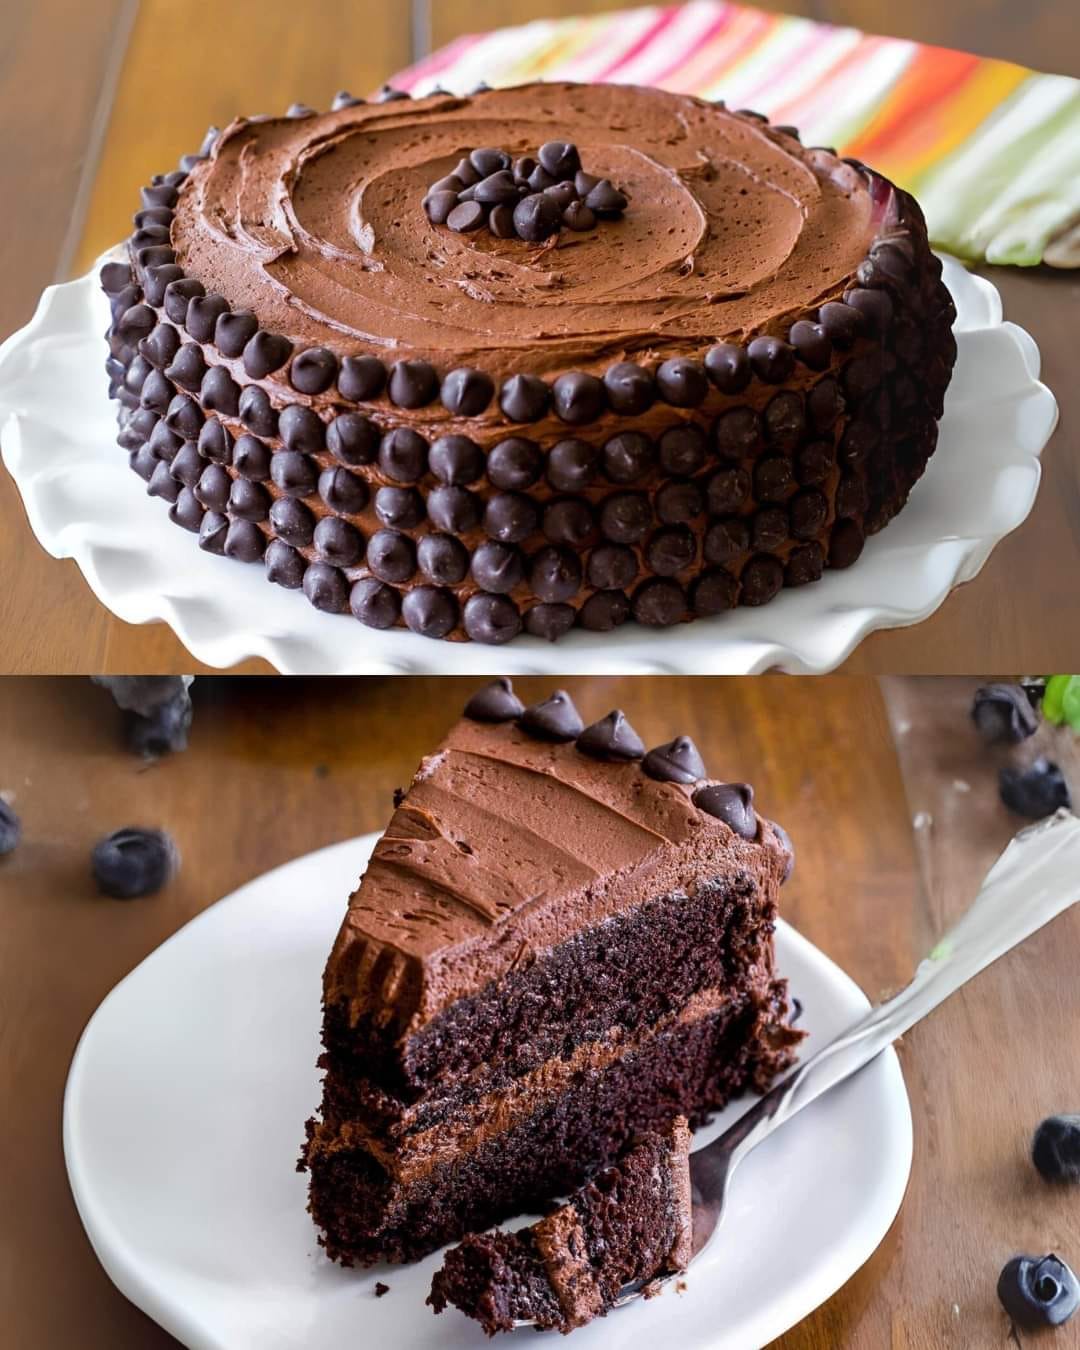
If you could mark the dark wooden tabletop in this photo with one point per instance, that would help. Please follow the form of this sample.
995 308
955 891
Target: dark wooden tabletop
276 768
95 98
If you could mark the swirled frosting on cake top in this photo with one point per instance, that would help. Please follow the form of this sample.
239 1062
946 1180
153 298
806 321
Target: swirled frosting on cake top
316 225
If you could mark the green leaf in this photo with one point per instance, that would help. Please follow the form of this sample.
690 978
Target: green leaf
1070 702
1054 698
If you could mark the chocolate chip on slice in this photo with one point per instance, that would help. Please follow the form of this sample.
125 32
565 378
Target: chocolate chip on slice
497 189
487 160
374 603
361 378
560 159
524 398
630 388
466 217
501 222
284 566
563 194
439 204
553 719
492 619
733 803
606 199
442 559
313 370
498 567
612 738
265 352
555 574
412 384
430 611
466 392
536 217
681 382
676 762
578 397
232 332
515 463
353 439
325 588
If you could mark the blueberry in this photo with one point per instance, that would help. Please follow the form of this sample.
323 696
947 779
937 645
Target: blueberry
134 862
10 828
165 729
1036 791
1003 712
1038 1291
1055 1149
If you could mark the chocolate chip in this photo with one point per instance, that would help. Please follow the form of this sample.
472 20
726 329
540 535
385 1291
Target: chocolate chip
612 567
337 542
676 762
466 217
511 517
442 559
402 508
563 194
771 359
497 189
156 281
374 603
728 366
726 539
840 323
678 502
412 384
524 398
157 392
495 702
876 308
497 567
811 344
429 610
301 429
784 420
134 376
628 457
361 378
571 465
343 492
612 738
248 500
515 463
403 455
555 574
576 215
292 521
136 323
728 490
560 159
681 382
454 509
353 439
606 199
625 517
682 449
219 392
486 160
203 313
737 433
629 388
160 346
501 222
536 217
809 511
114 276
604 611
187 511
391 556
313 371
185 417
773 479
163 484
569 521
257 412
733 803
299 110
232 332
549 622
326 588
456 459
148 235
284 566
251 458
466 392
769 528
805 564
157 255
439 203
761 579
165 443
244 541
671 550
814 463
388 94
540 179
292 473
578 397
144 462
553 719
213 531
265 352
465 173
714 592
659 603
863 374
492 619
852 498
858 442
343 99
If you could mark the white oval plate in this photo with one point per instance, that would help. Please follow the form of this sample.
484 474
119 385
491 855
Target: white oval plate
57 428
185 1111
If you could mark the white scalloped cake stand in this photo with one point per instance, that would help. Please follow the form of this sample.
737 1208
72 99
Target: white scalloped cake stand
57 429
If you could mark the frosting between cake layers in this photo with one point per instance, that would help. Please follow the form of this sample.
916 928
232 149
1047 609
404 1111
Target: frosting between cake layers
505 846
317 226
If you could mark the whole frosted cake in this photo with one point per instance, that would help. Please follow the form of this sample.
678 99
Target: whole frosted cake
543 356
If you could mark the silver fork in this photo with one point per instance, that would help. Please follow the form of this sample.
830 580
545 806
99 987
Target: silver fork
1034 880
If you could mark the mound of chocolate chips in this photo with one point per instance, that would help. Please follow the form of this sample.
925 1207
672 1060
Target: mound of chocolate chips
526 198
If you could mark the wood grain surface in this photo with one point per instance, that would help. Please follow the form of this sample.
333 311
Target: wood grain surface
276 768
192 64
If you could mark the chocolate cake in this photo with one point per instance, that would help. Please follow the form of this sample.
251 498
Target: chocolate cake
561 941
629 1225
433 367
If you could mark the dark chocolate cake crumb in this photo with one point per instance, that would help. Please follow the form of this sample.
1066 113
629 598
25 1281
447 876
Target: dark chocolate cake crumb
381 1289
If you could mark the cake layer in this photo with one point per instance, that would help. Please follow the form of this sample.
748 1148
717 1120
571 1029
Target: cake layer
717 395
366 1216
629 1225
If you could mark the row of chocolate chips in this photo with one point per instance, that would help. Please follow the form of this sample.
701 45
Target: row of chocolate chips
613 738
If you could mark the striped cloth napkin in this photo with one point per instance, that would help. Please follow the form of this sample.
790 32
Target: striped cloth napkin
991 149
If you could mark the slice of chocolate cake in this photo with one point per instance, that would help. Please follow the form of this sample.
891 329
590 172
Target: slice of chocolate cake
560 942
629 1225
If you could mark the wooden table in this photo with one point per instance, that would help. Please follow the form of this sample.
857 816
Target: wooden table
95 98
276 768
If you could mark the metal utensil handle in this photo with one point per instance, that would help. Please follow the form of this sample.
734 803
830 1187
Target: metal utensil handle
1034 880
